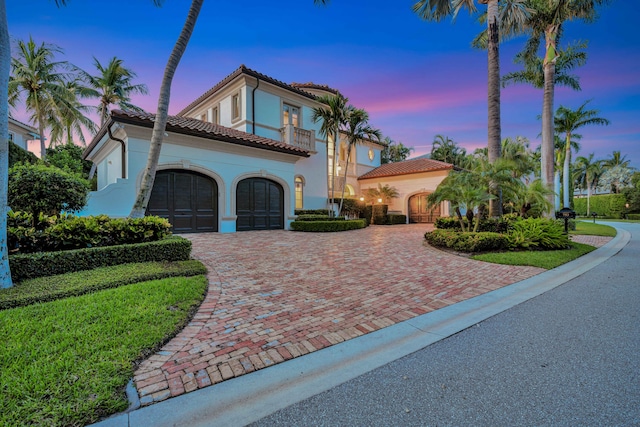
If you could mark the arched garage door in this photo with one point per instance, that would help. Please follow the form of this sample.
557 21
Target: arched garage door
259 205
187 199
419 211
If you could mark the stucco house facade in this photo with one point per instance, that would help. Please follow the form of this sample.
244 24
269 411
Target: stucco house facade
242 156
21 133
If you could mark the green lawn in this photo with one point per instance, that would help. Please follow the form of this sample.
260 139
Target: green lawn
67 362
592 229
542 259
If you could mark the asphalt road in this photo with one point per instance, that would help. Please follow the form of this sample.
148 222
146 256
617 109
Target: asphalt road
569 357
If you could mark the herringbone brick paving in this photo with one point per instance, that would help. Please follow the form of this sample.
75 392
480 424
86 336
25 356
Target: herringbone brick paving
277 295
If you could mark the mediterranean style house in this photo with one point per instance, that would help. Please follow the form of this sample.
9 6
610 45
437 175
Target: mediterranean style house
244 156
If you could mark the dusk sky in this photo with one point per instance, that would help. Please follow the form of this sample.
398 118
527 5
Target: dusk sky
416 79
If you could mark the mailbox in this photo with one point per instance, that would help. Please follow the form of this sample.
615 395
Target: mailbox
566 214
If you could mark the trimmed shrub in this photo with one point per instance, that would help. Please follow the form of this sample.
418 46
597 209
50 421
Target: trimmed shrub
396 219
493 225
45 189
18 154
53 233
312 212
328 226
467 241
319 218
379 214
537 233
635 217
28 266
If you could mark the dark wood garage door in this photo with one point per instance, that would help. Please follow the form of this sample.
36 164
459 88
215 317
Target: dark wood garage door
418 209
187 199
259 205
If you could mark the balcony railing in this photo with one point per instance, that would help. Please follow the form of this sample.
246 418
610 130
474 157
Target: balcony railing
342 164
302 138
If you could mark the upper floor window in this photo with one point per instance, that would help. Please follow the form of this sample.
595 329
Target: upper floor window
11 137
215 116
235 107
290 115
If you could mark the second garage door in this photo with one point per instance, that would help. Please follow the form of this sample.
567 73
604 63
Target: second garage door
259 205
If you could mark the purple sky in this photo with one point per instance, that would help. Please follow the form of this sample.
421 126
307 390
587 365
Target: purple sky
416 79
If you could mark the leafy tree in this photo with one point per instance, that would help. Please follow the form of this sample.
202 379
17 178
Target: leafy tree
113 85
567 121
587 173
357 128
41 80
160 122
45 189
69 157
615 178
503 19
332 118
68 119
546 23
632 193
394 151
447 150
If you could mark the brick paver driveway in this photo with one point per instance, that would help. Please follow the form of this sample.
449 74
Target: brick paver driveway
276 295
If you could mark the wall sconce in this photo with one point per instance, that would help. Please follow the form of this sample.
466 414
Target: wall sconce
379 200
362 199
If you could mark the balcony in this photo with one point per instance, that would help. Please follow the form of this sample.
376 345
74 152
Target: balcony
302 138
342 164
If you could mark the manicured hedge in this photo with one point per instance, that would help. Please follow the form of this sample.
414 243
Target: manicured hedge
328 226
605 205
635 217
494 225
467 241
312 212
396 219
39 264
308 217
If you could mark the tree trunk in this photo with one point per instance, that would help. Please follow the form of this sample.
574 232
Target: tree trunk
5 60
344 184
547 147
556 183
566 172
160 123
493 142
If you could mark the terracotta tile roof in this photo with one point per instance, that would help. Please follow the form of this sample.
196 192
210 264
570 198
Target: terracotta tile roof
407 167
195 127
311 85
248 71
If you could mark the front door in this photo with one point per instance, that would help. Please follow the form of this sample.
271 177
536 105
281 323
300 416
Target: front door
419 212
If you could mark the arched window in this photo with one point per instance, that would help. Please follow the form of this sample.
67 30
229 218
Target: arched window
299 184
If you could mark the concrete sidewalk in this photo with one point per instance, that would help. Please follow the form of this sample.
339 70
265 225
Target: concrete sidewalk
247 398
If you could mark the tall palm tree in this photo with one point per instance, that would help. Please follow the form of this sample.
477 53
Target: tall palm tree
617 159
508 16
5 70
160 122
41 80
517 151
357 128
68 119
567 121
113 85
587 172
447 150
546 22
332 118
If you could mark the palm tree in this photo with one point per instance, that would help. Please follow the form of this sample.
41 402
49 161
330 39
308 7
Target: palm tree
394 151
69 119
617 159
447 150
41 80
517 151
567 122
546 23
510 18
333 116
357 129
587 172
5 70
113 85
160 123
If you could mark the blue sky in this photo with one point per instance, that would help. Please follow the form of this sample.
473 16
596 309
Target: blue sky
416 79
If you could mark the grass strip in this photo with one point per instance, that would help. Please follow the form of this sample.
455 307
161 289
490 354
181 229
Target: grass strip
67 362
43 289
591 229
542 259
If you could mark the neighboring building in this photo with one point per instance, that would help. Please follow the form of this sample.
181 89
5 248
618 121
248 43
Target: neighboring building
242 156
21 133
